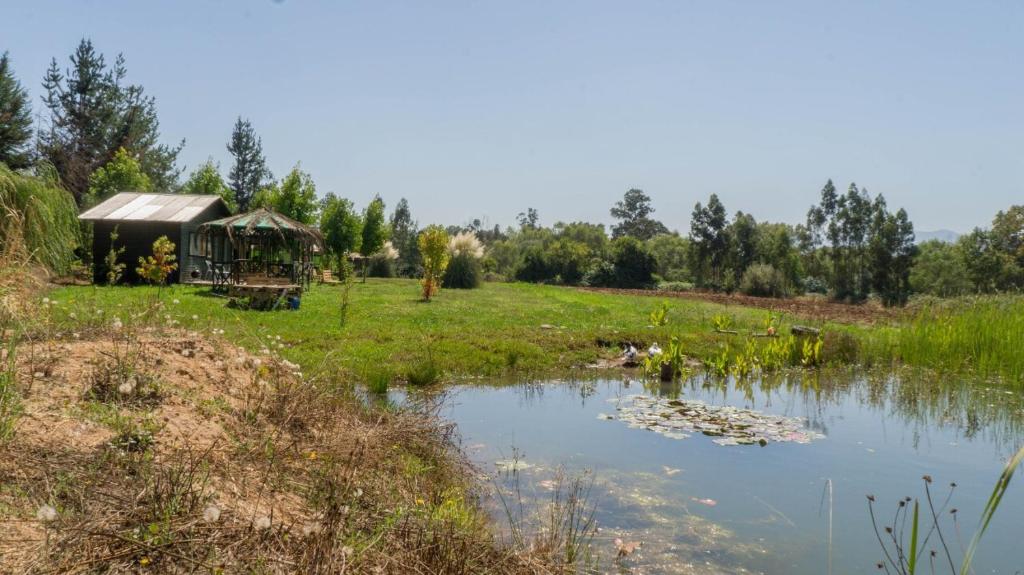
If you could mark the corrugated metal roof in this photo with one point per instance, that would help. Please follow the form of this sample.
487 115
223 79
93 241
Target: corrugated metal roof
135 206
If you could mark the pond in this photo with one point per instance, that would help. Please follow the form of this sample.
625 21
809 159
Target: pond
710 490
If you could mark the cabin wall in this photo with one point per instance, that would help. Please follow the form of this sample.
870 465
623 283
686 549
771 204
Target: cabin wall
195 252
137 238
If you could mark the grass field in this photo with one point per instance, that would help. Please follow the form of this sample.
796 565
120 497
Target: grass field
533 329
497 329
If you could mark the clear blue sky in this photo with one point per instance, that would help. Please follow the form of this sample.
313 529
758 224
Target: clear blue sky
482 109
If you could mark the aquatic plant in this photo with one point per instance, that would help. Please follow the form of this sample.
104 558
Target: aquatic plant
659 316
811 355
670 364
904 557
722 322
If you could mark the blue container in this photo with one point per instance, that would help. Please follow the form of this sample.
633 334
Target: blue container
293 302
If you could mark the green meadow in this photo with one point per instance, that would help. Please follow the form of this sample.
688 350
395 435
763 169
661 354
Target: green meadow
526 329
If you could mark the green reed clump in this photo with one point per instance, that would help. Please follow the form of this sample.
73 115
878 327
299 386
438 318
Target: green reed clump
47 214
982 335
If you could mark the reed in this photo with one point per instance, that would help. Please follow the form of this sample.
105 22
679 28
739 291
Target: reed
983 336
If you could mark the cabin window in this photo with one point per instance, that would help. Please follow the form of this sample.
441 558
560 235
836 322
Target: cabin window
196 247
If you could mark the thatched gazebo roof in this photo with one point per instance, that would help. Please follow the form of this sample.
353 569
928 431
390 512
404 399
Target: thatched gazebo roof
264 223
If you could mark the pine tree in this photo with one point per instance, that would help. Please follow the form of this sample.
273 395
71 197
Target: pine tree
92 114
15 119
249 172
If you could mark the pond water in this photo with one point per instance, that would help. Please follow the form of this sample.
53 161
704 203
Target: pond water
700 503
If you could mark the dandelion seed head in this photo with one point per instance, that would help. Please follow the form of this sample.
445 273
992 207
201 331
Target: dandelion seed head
211 514
46 513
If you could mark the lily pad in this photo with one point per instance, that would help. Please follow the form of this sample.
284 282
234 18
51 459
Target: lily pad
728 425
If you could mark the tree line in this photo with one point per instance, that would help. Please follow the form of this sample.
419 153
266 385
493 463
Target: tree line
99 134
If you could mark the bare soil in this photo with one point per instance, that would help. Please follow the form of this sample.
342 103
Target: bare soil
233 463
809 307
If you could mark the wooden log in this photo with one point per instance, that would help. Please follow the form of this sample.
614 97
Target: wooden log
804 330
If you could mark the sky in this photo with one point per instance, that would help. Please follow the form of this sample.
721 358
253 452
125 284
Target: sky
480 109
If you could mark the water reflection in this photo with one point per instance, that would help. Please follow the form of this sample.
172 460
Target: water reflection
701 507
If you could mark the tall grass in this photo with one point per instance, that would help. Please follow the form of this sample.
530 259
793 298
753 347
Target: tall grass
46 214
981 335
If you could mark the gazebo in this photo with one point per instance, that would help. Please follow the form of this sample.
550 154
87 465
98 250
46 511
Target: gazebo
260 249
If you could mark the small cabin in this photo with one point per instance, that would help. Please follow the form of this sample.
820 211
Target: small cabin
141 218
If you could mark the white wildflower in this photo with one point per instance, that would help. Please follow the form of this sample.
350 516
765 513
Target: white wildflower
46 513
277 337
126 387
176 301
72 315
211 514
46 300
99 312
194 317
280 346
116 324
264 351
262 522
466 243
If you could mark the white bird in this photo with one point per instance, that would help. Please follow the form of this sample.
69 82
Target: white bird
654 350
630 352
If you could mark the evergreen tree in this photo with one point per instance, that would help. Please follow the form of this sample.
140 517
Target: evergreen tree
249 173
633 213
206 180
404 237
92 114
15 119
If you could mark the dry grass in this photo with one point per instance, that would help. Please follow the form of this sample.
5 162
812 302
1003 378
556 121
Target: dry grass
219 461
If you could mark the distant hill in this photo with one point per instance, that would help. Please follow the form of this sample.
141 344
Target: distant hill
948 236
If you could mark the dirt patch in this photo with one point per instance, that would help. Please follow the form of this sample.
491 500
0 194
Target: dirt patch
173 452
812 308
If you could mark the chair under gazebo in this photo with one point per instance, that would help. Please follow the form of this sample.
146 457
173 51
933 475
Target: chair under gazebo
264 254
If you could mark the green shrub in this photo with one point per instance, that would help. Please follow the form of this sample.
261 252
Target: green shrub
600 274
381 267
764 280
634 265
675 286
813 284
464 272
535 267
